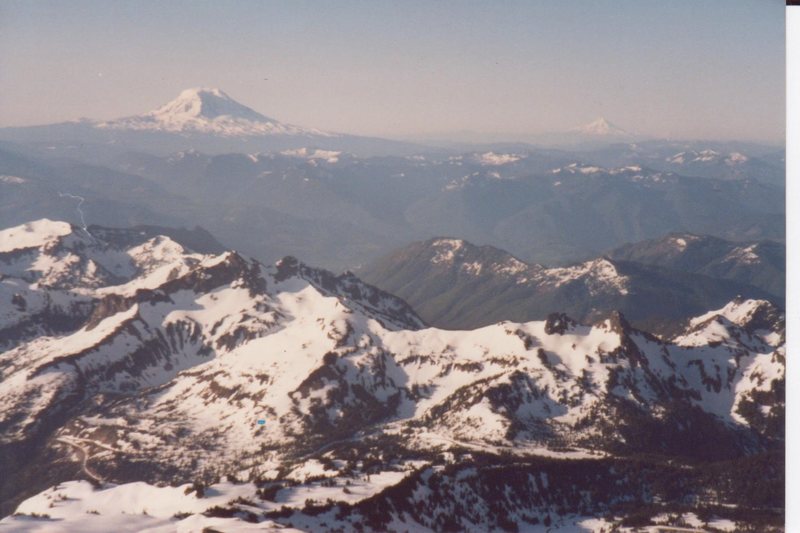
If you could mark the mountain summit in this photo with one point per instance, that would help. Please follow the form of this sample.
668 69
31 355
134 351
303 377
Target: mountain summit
208 103
601 127
207 110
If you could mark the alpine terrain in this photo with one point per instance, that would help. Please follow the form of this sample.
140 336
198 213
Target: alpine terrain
146 385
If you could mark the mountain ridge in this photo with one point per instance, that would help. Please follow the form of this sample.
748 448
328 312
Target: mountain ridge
456 284
177 357
759 263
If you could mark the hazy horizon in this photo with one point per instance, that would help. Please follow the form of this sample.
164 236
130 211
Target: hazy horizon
710 70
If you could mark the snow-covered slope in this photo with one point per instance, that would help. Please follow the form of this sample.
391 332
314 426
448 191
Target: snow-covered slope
34 234
209 111
190 367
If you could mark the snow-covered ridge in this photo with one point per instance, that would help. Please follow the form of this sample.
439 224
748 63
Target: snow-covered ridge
599 275
635 173
53 254
577 168
747 255
209 111
33 234
312 154
494 159
581 168
707 156
486 159
221 364
739 312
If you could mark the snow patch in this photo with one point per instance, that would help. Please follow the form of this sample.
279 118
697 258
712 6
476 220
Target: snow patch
746 255
446 250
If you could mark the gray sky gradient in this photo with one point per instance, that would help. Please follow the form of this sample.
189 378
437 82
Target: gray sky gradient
680 68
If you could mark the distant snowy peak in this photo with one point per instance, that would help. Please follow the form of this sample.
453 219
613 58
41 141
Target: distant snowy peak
598 275
208 111
473 259
601 128
208 104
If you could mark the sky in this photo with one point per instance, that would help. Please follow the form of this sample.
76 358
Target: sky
710 69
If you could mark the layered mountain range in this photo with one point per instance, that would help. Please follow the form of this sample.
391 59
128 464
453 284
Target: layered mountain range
193 390
621 366
658 284
341 211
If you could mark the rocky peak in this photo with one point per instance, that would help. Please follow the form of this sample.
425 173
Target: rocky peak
618 323
558 324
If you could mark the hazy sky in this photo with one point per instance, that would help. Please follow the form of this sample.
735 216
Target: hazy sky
678 68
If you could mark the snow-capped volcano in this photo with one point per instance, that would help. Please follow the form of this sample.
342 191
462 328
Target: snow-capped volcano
208 103
208 110
601 128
